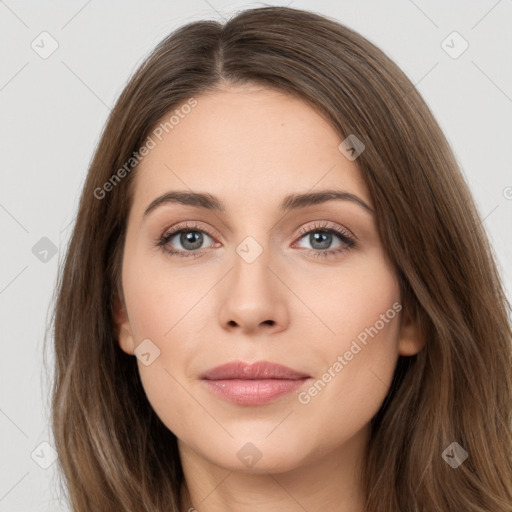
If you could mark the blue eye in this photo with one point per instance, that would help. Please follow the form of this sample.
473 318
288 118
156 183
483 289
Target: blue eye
321 238
191 238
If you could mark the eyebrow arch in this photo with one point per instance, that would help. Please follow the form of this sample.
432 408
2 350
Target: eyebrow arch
290 202
294 201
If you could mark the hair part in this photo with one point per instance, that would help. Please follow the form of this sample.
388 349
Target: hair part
116 454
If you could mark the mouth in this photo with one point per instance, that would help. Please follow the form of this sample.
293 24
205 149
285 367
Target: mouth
252 384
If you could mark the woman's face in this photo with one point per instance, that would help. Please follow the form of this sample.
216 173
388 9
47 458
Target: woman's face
259 272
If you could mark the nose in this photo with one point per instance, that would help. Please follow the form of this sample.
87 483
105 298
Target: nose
253 298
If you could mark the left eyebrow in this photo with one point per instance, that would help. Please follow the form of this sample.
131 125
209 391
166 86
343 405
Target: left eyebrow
294 201
290 202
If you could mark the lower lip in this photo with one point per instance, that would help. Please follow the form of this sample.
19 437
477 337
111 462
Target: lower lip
253 392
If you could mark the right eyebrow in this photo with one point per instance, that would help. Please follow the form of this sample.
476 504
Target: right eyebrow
200 200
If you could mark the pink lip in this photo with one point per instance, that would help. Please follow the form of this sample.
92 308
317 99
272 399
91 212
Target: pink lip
252 384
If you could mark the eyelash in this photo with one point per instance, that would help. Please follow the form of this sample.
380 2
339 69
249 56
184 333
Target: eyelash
345 238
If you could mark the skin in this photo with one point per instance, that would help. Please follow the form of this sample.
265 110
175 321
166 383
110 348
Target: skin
250 147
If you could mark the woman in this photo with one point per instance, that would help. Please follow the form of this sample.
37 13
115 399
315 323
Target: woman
206 359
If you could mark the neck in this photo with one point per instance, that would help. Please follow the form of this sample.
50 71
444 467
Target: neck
328 481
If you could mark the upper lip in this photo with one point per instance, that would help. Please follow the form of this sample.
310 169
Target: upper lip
252 371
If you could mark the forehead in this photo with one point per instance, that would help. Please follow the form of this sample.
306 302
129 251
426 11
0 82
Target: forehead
246 144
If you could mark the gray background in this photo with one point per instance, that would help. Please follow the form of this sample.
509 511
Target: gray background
53 110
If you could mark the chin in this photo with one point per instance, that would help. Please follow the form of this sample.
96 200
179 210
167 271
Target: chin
255 457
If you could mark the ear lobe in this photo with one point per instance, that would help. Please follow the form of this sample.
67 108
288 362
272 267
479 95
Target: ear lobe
123 329
411 338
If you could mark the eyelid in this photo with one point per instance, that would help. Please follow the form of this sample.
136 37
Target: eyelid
344 234
327 225
189 224
200 226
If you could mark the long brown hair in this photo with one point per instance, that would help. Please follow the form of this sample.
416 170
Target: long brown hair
115 453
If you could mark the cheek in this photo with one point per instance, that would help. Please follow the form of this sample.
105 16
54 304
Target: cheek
342 318
356 302
362 307
162 308
158 297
